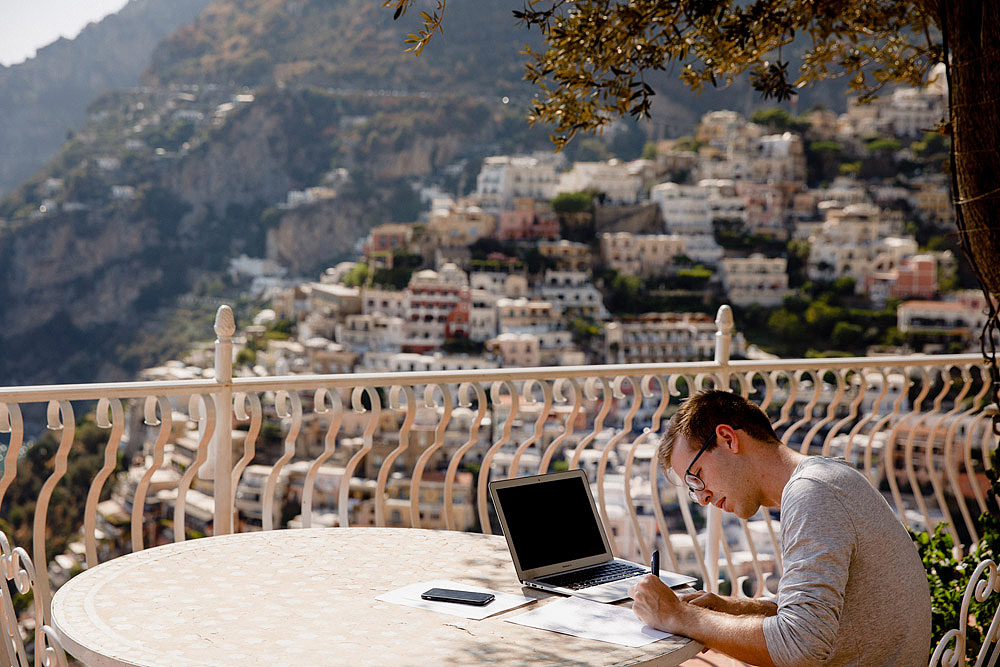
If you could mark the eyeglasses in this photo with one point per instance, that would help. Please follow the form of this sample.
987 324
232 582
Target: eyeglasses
695 483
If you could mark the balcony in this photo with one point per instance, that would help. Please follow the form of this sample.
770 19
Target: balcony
417 449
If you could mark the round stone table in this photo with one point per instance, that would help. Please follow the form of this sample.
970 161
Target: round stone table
288 598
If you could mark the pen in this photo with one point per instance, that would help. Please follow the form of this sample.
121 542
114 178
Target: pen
654 563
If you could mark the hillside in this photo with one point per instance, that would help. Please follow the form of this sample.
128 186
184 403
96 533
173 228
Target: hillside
164 183
44 98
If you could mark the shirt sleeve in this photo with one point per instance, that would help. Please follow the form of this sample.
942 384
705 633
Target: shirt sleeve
818 542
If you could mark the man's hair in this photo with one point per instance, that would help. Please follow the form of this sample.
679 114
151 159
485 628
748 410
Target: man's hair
698 416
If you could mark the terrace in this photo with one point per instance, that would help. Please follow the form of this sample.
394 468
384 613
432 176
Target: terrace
223 454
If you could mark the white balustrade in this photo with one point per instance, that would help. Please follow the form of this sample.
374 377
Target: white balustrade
417 449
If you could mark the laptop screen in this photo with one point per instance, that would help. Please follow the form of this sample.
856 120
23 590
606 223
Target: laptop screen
551 522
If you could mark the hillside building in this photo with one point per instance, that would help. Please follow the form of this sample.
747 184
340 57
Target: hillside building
755 280
503 179
529 220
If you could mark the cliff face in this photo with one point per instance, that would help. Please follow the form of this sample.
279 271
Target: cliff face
44 97
74 284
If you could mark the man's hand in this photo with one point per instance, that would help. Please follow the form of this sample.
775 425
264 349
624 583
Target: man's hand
722 623
710 601
656 605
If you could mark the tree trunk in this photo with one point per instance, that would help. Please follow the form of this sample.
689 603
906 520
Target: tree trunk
972 30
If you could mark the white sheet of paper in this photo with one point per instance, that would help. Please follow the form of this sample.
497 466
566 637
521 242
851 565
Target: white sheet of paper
591 620
409 596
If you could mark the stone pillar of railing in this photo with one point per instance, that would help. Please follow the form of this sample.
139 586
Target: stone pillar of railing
723 340
220 454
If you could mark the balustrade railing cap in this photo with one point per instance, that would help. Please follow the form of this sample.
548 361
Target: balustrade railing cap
225 322
724 319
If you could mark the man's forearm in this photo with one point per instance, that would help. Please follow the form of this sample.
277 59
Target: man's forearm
752 606
739 636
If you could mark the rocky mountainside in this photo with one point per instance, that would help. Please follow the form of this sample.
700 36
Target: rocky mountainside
277 128
43 98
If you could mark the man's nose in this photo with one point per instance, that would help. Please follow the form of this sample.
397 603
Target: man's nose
704 497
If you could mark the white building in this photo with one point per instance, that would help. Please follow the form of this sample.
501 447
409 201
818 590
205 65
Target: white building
375 332
643 255
526 316
684 208
504 178
483 319
755 280
779 158
663 337
620 182
572 292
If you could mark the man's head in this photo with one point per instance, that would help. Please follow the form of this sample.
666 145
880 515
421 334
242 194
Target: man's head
704 423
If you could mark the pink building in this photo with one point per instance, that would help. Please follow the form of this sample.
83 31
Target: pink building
530 220
387 238
916 277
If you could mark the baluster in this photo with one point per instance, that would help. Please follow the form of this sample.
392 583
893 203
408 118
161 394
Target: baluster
888 448
543 415
775 543
807 411
742 381
165 422
862 393
60 418
785 415
295 417
336 412
256 417
654 488
18 573
936 483
449 481
970 466
404 444
570 424
769 389
206 417
987 446
117 426
831 411
425 456
952 461
911 471
589 392
652 429
11 422
760 589
367 440
683 502
602 503
484 470
852 411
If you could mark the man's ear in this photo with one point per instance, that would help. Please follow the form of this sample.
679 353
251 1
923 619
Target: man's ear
727 437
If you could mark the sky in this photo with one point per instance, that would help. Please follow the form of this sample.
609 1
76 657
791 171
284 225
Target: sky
27 25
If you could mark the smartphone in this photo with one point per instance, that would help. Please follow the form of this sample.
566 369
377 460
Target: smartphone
461 597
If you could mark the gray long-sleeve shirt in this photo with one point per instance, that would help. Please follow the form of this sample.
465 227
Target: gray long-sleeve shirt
853 590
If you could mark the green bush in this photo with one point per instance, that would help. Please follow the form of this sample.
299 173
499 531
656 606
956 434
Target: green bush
572 202
948 576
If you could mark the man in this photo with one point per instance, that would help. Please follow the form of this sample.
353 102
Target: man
852 590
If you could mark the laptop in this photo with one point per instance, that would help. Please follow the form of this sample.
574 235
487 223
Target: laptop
557 539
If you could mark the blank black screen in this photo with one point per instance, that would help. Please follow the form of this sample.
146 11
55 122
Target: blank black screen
550 522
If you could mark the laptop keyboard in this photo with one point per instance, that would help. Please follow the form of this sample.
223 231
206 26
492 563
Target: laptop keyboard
593 576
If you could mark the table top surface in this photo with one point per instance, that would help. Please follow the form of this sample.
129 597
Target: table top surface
297 597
